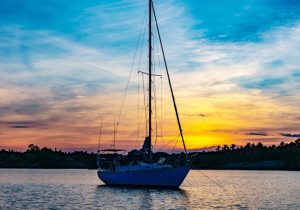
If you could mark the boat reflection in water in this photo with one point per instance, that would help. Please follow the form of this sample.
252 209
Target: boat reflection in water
138 197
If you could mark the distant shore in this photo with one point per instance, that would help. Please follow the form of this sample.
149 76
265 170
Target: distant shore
285 156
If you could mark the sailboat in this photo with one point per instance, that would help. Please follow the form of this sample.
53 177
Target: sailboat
147 172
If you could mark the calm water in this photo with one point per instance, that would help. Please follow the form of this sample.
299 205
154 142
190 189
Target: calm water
81 189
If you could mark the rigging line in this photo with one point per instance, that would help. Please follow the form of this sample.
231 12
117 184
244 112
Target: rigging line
99 140
98 151
145 106
114 142
161 111
154 93
161 107
170 84
143 42
128 81
160 72
164 146
138 131
176 143
139 78
219 185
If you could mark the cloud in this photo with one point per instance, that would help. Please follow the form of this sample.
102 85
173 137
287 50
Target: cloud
265 83
196 115
293 135
22 124
63 88
244 67
256 134
241 69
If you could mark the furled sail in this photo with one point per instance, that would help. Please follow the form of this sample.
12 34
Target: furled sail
147 145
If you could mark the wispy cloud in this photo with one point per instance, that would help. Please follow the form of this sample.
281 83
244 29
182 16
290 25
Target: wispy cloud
64 72
22 124
293 135
257 134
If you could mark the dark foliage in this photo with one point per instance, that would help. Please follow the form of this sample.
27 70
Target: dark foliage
251 156
34 157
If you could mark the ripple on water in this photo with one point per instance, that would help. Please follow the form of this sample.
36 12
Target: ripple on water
209 189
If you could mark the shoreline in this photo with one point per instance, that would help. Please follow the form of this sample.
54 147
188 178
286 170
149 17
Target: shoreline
283 157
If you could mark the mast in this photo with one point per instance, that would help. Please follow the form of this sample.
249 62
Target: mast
150 77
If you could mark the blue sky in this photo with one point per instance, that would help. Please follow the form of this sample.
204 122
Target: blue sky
229 20
61 60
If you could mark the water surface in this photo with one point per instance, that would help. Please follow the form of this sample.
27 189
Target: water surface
208 189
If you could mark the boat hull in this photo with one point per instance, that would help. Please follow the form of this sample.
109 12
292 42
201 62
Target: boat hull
169 177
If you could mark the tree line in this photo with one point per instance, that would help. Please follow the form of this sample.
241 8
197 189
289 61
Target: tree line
285 156
252 156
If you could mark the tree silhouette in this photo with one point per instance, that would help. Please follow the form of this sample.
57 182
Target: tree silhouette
284 156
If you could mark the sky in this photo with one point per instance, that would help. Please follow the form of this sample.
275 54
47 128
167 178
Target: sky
64 66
